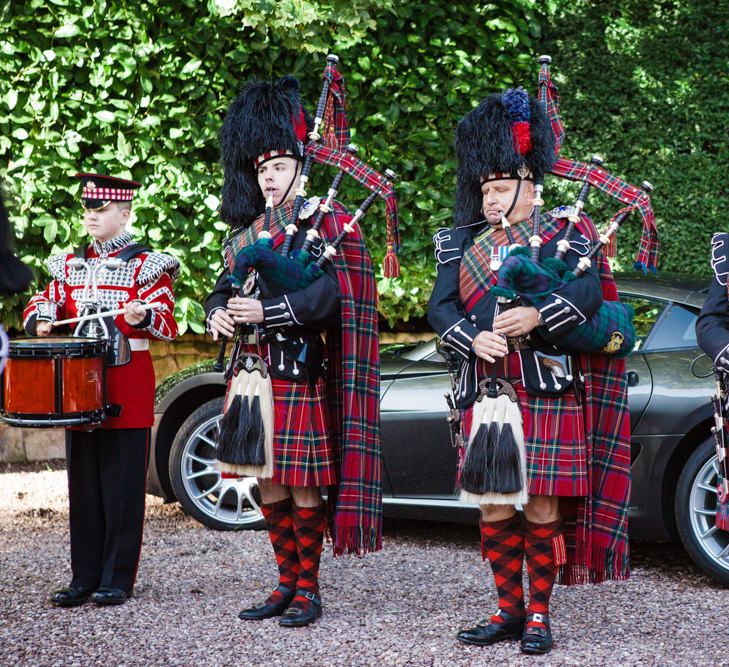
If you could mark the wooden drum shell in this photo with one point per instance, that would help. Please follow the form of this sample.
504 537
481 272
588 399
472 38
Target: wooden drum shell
54 382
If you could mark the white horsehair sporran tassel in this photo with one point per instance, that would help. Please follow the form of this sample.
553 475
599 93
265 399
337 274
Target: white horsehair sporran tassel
246 430
496 427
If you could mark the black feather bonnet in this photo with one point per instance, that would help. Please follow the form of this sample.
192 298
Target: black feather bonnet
265 120
508 135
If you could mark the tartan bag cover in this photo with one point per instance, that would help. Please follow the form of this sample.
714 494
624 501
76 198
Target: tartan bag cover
596 526
353 381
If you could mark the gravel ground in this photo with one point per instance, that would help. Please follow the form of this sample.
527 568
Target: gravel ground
401 606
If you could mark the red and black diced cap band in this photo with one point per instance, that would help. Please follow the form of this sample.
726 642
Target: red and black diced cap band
98 190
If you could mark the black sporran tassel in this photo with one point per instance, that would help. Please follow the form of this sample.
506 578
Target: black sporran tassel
474 469
256 434
227 442
243 429
506 464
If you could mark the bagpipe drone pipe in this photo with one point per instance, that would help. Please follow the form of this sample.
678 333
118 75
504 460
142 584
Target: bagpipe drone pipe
610 330
720 431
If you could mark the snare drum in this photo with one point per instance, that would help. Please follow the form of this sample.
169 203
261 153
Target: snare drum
54 382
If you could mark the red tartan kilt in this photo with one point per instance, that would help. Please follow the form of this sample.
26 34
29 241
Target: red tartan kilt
554 433
302 447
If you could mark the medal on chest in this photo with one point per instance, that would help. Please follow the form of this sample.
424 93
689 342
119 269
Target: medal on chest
498 255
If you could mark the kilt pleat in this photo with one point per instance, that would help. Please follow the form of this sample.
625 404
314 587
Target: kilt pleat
303 453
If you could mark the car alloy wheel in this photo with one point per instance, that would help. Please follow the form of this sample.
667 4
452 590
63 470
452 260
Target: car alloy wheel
696 513
216 501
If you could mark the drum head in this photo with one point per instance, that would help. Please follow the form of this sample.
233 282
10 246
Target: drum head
56 346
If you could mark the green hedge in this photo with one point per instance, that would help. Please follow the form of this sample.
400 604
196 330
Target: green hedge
141 89
646 85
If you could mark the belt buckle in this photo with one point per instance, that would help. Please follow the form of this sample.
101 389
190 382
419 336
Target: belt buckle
518 343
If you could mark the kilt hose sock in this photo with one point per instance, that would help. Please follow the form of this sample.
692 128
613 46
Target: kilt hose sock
309 525
280 524
502 543
545 552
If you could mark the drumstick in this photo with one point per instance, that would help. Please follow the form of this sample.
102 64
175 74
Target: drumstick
95 316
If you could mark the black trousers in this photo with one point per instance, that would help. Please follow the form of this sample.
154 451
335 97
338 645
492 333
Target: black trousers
107 471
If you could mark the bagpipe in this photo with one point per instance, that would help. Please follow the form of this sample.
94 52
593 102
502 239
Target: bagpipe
610 330
720 403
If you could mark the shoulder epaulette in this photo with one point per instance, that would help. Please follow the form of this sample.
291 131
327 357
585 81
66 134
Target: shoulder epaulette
720 257
447 245
154 264
56 265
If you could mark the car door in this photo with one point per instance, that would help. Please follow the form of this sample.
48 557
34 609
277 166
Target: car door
416 445
647 311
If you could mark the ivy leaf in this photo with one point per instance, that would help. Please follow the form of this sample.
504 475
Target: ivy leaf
212 202
11 99
191 66
50 231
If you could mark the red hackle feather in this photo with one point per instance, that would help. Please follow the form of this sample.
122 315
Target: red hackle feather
522 137
299 124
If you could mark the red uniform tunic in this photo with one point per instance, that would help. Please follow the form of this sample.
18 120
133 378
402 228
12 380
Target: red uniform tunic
147 277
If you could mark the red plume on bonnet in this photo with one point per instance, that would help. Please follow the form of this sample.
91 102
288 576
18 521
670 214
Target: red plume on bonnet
299 123
516 102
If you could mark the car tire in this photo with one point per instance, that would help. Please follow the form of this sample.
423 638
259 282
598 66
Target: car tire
216 502
695 506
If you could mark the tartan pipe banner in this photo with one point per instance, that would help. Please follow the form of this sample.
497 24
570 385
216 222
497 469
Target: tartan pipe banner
364 174
335 124
617 188
548 95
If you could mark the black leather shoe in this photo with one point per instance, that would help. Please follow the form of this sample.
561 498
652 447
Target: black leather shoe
110 596
486 632
269 609
71 596
299 615
536 640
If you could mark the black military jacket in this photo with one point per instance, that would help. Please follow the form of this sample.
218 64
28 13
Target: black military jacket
712 327
562 311
293 320
459 326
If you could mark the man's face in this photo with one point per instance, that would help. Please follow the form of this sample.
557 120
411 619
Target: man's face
106 223
499 195
276 177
